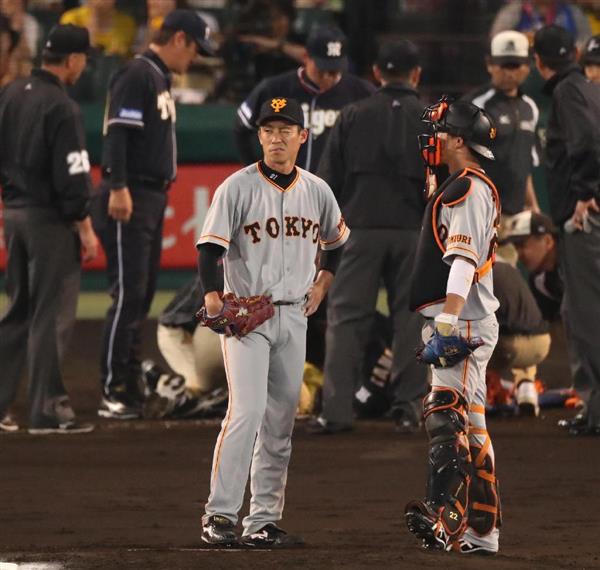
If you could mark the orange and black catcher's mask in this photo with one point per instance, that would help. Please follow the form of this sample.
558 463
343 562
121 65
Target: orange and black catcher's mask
460 119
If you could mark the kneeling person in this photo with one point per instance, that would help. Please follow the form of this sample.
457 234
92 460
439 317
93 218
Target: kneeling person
452 288
266 222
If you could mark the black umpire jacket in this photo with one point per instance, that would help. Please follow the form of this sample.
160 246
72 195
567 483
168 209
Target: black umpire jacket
572 141
373 163
43 161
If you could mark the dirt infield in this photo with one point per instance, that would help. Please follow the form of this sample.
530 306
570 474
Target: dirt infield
130 494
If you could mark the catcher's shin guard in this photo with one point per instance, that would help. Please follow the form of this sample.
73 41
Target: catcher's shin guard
484 496
445 412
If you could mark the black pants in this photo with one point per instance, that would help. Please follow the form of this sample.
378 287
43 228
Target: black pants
133 260
369 257
42 282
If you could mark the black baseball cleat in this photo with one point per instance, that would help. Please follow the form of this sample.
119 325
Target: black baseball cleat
218 531
271 536
321 426
119 406
423 522
8 424
577 422
64 428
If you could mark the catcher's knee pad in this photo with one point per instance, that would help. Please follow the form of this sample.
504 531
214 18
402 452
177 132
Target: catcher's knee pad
484 494
445 412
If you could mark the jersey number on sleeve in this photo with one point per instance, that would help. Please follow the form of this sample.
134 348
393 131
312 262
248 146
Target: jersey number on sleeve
78 161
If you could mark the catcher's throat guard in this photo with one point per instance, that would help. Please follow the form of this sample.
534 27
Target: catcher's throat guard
429 142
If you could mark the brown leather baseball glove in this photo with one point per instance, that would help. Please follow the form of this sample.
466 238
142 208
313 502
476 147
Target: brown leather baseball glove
239 315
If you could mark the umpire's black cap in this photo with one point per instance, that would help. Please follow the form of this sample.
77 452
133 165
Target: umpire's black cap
190 22
397 56
64 39
281 109
554 42
591 53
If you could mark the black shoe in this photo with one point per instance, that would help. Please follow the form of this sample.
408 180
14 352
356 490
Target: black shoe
71 427
8 424
151 372
218 530
584 430
271 536
119 406
577 422
211 405
321 426
423 522
408 417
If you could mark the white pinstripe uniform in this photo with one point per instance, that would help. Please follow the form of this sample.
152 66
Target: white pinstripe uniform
468 229
271 236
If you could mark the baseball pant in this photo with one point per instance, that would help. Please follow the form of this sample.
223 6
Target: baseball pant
580 266
516 356
42 281
468 378
264 372
369 257
133 261
197 357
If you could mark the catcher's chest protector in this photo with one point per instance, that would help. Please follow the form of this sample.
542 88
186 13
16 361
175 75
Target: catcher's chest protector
430 273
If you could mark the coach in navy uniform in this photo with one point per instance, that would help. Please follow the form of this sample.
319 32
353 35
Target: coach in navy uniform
44 173
139 163
322 86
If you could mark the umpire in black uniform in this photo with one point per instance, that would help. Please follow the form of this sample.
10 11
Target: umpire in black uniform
139 163
44 173
573 163
373 164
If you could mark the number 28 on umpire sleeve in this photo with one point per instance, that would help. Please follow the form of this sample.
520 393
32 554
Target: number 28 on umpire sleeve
78 162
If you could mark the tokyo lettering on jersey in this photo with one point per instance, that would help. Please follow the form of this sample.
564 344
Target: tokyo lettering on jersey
321 109
272 235
140 99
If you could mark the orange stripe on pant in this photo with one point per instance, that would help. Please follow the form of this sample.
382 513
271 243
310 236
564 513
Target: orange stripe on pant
228 417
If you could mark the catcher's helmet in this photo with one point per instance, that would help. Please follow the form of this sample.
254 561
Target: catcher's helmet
460 119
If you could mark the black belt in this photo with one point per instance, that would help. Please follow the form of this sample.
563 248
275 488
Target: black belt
286 303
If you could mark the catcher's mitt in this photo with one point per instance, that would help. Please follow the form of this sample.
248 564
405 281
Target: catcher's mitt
447 351
239 315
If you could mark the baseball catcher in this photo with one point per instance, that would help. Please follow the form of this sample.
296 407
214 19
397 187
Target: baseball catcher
452 288
239 315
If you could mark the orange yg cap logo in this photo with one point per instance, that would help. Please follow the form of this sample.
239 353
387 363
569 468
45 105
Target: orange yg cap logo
278 104
493 133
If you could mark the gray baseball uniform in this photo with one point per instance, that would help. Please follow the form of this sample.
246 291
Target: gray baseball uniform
271 236
471 233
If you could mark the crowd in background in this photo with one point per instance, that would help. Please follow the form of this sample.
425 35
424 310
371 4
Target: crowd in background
255 39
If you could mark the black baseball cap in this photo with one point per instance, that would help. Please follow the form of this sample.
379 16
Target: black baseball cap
281 109
554 42
327 47
190 22
65 39
397 56
527 224
591 52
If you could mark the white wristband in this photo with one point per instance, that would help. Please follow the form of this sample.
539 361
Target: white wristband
447 318
460 278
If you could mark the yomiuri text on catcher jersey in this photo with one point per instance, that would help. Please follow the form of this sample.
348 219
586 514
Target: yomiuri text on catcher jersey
272 235
467 228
